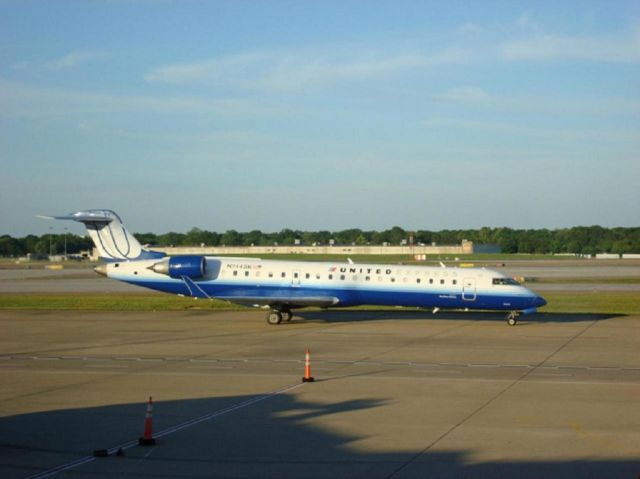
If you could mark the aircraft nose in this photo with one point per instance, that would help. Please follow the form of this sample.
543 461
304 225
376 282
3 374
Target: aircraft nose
539 301
101 269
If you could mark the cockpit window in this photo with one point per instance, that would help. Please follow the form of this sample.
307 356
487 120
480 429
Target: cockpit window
505 281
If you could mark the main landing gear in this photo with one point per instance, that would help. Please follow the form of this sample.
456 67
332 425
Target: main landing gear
276 316
512 318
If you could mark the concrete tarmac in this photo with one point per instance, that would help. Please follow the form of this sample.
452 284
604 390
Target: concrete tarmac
397 394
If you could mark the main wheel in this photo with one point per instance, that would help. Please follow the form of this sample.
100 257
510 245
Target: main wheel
274 317
287 315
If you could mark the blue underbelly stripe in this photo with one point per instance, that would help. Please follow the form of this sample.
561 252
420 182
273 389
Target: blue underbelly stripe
352 296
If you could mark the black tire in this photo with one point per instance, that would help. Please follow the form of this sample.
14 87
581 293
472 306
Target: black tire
287 315
274 318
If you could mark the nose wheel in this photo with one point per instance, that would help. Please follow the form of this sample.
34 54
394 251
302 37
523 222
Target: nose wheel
512 318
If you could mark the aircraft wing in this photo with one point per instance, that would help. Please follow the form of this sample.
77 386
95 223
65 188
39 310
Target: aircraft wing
290 301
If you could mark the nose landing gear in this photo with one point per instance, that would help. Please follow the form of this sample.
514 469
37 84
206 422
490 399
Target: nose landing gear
512 318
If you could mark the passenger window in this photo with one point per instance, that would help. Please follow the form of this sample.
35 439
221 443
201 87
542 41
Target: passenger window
270 274
393 280
317 275
295 275
418 280
246 273
235 273
442 281
367 278
307 276
455 281
430 280
283 275
330 276
342 277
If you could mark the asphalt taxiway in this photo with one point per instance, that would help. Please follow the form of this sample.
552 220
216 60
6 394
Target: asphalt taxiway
397 394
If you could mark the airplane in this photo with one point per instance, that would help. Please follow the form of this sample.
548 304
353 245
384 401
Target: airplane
282 286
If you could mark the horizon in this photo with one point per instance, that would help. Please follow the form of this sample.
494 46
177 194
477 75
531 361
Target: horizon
230 115
83 233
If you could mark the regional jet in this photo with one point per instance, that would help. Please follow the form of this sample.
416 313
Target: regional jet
282 286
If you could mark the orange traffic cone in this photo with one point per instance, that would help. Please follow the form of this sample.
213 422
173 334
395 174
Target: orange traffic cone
147 438
307 368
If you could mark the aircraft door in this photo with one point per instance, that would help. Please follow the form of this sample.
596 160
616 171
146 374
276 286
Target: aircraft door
469 289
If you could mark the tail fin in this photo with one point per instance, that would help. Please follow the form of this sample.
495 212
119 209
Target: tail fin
113 241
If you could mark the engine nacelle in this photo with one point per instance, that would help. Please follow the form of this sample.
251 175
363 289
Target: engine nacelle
193 267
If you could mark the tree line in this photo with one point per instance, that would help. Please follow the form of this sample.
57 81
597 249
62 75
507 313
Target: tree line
576 240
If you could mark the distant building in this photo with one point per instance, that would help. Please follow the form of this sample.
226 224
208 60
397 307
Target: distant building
487 248
466 247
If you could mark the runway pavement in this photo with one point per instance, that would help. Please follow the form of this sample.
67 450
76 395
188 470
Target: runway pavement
397 395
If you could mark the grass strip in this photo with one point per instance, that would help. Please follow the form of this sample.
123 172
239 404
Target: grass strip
109 302
619 302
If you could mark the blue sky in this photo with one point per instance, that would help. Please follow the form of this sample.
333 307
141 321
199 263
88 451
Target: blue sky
320 115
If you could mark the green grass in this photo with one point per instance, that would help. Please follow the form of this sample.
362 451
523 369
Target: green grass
590 302
559 302
109 302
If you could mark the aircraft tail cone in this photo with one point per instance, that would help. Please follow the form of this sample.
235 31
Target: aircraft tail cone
147 438
307 368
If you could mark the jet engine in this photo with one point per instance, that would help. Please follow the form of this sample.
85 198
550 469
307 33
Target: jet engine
193 267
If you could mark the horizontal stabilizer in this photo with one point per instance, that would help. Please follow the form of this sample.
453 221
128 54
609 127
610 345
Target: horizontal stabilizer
82 217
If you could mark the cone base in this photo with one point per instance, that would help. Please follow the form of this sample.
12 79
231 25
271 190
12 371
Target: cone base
307 380
146 441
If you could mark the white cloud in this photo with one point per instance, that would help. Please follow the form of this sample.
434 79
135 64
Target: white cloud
473 96
298 74
207 70
525 22
290 70
32 101
546 47
469 28
73 59
618 136
466 94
